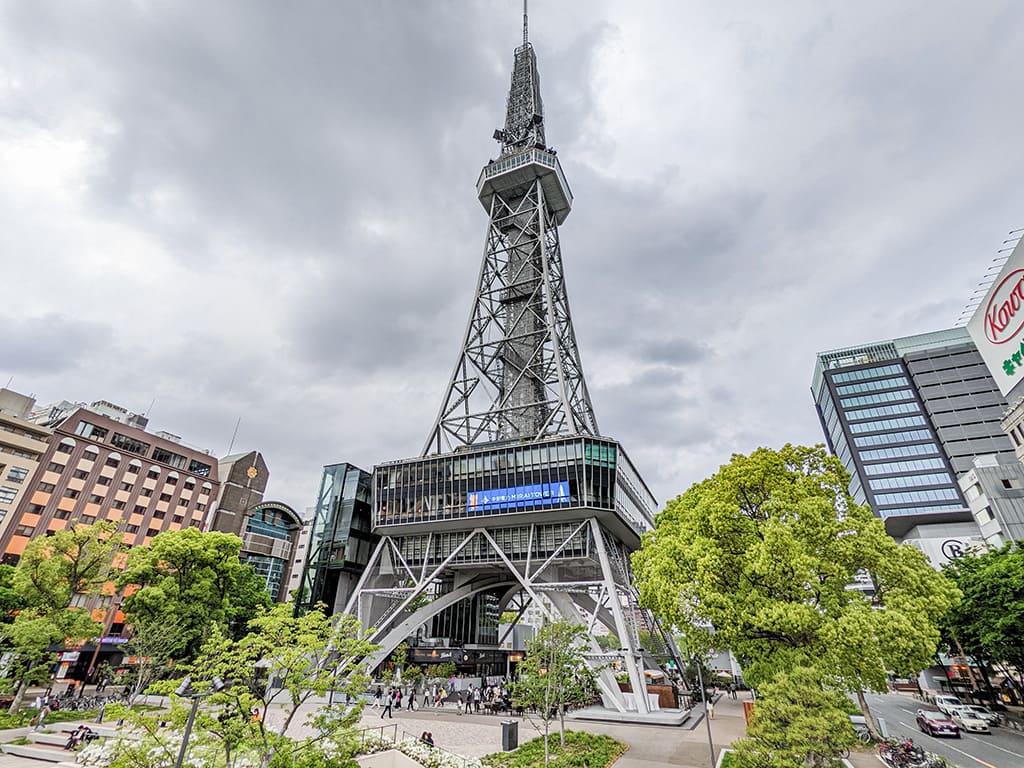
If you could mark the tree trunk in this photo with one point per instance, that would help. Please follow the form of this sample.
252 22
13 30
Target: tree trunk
547 754
869 719
561 722
19 696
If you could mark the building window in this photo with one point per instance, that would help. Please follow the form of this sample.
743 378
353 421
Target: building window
103 481
146 492
159 514
24 530
62 514
71 493
153 473
132 528
1007 483
7 494
95 499
129 444
88 519
199 468
182 502
80 474
119 505
151 532
17 474
47 487
85 429
177 519
201 507
139 509
176 460
53 466
35 509
65 448
125 486
165 497
112 462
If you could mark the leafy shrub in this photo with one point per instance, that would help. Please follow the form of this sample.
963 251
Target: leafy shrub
596 750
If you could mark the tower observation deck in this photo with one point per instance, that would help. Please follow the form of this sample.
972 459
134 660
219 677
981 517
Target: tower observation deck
516 499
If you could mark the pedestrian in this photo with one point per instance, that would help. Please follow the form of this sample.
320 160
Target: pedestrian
426 697
41 717
444 696
411 698
389 700
378 694
459 701
430 739
711 709
398 698
476 700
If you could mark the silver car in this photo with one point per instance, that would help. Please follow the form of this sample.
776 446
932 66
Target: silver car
970 721
993 718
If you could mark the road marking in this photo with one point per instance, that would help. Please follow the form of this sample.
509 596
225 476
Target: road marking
965 754
987 743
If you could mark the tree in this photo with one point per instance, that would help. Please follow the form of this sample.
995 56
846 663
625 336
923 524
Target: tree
764 551
798 720
554 675
193 579
282 662
989 621
54 573
152 644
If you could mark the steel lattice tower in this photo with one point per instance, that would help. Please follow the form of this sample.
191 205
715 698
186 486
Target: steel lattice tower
516 498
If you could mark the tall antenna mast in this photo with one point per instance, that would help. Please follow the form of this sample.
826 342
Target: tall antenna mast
526 26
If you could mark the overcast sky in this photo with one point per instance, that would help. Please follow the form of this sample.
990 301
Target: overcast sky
267 210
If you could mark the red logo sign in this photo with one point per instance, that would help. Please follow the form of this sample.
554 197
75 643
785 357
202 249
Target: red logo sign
1003 317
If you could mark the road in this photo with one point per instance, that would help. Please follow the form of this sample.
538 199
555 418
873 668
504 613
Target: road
1003 748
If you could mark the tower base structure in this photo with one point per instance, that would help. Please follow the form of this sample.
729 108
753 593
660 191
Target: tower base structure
501 527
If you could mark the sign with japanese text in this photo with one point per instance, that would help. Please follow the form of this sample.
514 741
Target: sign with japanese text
519 496
997 326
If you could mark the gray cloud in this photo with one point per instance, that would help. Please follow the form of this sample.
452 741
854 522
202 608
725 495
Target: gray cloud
247 210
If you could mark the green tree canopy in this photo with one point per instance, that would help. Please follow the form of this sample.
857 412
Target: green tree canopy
53 574
989 622
194 580
764 552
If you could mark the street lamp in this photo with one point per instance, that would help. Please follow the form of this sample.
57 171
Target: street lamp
185 690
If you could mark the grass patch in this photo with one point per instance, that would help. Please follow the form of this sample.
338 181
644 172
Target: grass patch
594 750
728 761
20 741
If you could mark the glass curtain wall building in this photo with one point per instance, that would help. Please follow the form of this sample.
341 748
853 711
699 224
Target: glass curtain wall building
340 539
907 417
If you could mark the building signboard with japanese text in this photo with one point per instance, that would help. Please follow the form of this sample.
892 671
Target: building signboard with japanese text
998 324
519 496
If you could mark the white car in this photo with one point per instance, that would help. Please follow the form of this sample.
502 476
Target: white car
970 721
947 704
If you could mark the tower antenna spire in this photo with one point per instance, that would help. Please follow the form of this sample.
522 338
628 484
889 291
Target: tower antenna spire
526 25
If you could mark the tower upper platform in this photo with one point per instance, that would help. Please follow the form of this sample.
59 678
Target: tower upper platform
504 175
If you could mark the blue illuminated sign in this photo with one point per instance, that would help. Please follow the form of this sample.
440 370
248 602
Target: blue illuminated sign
520 496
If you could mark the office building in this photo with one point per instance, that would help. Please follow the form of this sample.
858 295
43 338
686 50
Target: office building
269 538
22 445
994 490
907 417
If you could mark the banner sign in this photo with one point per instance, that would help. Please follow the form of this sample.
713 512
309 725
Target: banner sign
519 496
997 327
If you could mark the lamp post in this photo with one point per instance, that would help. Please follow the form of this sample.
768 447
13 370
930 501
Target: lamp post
185 690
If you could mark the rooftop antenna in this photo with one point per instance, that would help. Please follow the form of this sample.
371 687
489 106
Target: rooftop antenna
234 435
526 26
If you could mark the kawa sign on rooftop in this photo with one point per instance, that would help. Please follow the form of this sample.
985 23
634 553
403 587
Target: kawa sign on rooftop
998 324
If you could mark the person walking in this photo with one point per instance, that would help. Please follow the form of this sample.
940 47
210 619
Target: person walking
398 698
426 697
411 698
41 717
378 694
389 701
711 709
476 700
459 701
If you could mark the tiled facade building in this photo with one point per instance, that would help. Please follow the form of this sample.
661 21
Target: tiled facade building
22 444
96 467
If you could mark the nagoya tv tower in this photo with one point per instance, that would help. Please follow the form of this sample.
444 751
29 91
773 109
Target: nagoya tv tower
517 501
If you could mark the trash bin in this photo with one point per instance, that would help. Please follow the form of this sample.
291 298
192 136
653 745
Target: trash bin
509 735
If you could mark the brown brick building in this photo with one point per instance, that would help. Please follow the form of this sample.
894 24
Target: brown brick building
101 468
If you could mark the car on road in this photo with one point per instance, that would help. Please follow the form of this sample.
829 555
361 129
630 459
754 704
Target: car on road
936 723
970 721
945 703
993 718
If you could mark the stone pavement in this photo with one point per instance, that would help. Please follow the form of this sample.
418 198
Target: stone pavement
649 746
